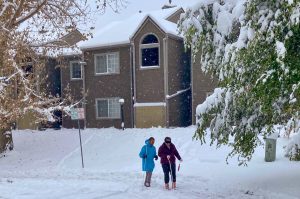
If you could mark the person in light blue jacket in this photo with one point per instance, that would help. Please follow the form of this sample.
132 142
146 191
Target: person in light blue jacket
148 154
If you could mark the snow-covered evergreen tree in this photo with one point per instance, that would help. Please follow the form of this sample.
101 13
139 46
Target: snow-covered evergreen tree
252 47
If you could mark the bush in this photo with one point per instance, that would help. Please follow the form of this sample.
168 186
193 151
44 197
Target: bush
292 150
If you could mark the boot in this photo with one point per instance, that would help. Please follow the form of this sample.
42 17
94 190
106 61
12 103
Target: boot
148 179
167 186
174 185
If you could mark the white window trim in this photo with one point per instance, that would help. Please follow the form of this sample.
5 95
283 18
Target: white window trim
152 45
71 70
106 54
107 118
150 104
149 67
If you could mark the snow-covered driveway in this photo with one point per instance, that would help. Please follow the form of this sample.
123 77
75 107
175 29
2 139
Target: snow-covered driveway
47 165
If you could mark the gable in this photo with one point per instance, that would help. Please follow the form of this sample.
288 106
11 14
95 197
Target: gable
148 25
164 26
69 39
175 16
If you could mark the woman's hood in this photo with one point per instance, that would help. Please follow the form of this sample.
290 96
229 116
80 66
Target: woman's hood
147 142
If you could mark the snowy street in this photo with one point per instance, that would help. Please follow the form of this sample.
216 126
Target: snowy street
48 165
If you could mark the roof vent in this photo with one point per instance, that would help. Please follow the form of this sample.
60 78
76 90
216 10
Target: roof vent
168 5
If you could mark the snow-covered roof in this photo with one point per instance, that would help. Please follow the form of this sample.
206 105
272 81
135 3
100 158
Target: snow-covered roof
64 46
74 50
120 32
57 52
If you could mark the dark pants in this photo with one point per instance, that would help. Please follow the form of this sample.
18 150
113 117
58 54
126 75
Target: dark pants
169 171
148 179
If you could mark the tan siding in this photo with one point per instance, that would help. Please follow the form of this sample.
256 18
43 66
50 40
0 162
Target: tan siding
28 121
147 117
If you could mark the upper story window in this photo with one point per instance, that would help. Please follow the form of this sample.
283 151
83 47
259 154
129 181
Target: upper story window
107 63
149 51
76 70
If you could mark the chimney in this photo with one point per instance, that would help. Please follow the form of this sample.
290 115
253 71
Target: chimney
168 5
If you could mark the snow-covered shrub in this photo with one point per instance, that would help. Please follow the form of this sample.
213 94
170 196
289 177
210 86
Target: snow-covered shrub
292 150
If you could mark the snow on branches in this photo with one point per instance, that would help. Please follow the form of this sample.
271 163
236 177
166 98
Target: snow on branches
252 47
26 27
292 150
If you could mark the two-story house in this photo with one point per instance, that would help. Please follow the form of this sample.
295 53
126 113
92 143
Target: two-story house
142 61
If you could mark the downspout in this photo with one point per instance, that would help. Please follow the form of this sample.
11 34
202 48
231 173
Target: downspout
131 85
83 87
134 83
192 86
61 89
166 78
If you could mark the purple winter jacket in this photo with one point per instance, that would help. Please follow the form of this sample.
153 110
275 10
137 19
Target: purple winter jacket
164 151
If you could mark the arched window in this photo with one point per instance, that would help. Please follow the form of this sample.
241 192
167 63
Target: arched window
149 51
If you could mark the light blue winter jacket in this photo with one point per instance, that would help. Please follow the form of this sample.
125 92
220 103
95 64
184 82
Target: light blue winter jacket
150 151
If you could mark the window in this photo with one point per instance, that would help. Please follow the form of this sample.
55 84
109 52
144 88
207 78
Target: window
150 51
108 108
107 63
76 70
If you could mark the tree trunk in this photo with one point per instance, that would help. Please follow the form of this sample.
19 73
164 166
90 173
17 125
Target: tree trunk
5 140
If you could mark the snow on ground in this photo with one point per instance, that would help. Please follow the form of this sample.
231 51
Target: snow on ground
48 165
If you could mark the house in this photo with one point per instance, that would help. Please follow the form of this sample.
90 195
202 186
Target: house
140 61
49 80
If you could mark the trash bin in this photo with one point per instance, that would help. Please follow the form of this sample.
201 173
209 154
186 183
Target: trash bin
270 153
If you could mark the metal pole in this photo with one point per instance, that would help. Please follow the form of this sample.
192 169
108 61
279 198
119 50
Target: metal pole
82 163
83 87
122 116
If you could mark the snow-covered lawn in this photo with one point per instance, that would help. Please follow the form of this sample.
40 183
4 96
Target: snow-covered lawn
48 165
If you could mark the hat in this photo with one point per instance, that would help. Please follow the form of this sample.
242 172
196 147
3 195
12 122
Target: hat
151 138
167 140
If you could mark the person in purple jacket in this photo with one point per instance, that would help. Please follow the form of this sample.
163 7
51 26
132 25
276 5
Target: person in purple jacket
167 153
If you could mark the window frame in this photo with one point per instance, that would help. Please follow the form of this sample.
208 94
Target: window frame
106 55
148 46
109 117
71 71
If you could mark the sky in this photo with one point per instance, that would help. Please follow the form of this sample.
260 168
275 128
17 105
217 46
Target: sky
135 6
